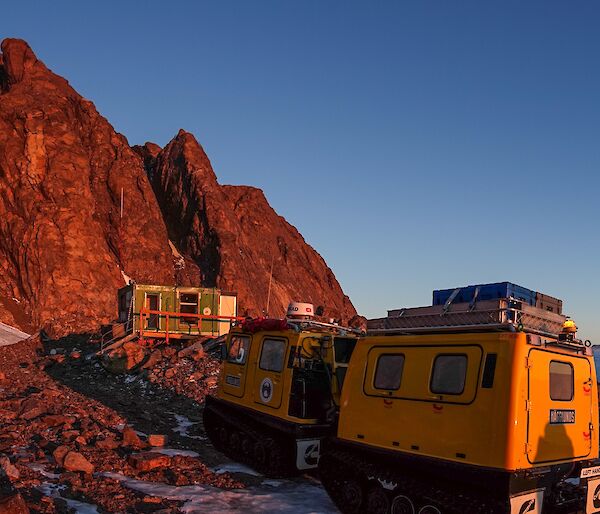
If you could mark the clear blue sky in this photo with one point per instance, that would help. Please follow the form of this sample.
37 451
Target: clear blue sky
416 145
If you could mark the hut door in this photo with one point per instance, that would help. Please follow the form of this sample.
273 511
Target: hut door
152 304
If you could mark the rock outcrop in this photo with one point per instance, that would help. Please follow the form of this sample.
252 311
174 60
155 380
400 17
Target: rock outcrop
235 237
63 168
67 242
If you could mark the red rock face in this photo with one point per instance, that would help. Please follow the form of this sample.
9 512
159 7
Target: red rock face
234 236
64 243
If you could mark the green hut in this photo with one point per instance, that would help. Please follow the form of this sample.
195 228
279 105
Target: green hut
176 311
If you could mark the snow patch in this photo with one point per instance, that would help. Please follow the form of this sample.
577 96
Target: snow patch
53 490
272 483
289 498
10 335
172 452
183 427
42 471
234 467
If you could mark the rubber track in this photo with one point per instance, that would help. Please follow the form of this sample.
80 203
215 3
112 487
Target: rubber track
338 463
280 451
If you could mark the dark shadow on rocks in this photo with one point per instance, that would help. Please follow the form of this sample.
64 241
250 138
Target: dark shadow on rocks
148 407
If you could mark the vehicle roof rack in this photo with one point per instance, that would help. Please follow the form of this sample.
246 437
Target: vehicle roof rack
503 314
307 324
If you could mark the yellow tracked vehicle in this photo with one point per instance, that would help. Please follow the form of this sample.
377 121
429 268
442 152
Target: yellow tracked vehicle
484 402
279 391
482 407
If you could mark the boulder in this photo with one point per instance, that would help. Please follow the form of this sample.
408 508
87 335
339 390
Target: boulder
74 461
148 461
157 440
131 439
125 358
108 443
60 453
32 408
13 504
153 360
8 469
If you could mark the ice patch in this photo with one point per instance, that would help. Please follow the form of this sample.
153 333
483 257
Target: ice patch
234 467
172 452
272 483
53 490
289 498
40 469
10 335
183 427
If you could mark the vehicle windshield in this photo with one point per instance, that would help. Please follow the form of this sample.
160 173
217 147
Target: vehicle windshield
343 346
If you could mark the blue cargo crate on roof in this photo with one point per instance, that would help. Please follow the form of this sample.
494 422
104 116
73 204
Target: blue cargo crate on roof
486 292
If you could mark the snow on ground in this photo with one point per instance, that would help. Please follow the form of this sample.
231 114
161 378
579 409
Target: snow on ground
171 452
287 497
183 427
234 467
53 491
40 469
10 335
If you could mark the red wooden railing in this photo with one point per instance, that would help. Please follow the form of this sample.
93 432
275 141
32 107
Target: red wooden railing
167 315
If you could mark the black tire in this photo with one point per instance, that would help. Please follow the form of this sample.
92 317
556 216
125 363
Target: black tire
353 495
429 509
378 501
402 504
343 488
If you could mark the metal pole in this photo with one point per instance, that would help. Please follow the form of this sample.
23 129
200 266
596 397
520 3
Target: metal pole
270 281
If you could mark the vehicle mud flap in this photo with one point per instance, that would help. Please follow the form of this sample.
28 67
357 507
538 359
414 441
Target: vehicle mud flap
592 503
308 452
529 502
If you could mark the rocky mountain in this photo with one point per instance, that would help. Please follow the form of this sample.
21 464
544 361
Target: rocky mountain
66 243
234 235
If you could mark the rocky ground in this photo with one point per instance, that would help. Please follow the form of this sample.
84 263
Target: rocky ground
76 438
65 421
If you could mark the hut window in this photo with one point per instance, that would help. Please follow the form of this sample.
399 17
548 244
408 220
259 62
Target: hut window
189 303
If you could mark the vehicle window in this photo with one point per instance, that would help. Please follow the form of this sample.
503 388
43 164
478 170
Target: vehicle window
343 349
388 373
272 355
449 374
489 370
561 381
238 349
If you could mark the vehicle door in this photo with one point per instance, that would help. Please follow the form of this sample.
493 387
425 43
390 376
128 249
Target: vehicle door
559 407
268 382
235 367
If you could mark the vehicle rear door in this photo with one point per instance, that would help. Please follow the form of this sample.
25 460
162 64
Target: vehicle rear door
268 382
559 407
